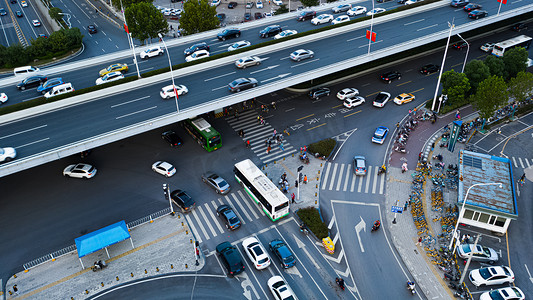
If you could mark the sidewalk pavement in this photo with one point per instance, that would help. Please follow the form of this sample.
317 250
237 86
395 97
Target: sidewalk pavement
162 247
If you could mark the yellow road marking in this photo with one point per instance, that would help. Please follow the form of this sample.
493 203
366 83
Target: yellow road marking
317 126
353 113
403 83
338 106
305 117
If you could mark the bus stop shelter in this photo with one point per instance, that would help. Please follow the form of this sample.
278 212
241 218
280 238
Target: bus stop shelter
101 239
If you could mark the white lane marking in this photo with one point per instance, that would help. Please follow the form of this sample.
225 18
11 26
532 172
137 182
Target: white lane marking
4 29
24 131
35 142
424 28
225 45
267 68
304 63
413 22
325 177
360 184
382 184
146 69
246 201
193 229
527 162
356 38
368 179
334 173
133 113
360 226
277 77
375 181
213 232
213 216
521 163
347 177
194 213
365 46
527 269
219 76
241 206
218 88
514 162
340 178
283 58
103 33
353 184
127 102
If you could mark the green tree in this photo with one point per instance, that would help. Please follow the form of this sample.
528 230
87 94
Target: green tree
476 71
3 54
496 66
521 86
491 95
145 21
515 61
127 3
16 56
310 3
74 38
55 12
455 85
198 16
281 10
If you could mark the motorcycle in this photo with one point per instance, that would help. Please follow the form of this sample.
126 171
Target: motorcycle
303 229
99 265
400 149
411 287
382 170
304 159
376 226
340 282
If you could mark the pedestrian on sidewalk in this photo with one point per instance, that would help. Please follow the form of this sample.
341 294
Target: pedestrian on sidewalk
268 149
274 135
281 146
305 179
419 242
292 197
458 115
405 206
15 289
248 144
420 156
522 179
286 131
397 124
236 115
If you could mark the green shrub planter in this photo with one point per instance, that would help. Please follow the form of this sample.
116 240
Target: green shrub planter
311 217
323 148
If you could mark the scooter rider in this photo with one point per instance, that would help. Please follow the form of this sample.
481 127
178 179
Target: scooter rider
340 282
376 225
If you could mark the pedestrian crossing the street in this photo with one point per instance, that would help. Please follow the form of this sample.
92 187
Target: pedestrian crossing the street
258 134
341 178
205 223
523 163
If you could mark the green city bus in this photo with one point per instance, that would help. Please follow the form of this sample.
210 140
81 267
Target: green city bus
203 133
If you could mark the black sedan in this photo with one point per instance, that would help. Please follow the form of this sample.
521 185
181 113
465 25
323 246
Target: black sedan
519 27
270 31
471 7
195 47
172 138
229 217
240 84
92 29
390 76
429 69
228 33
459 46
31 82
232 5
476 14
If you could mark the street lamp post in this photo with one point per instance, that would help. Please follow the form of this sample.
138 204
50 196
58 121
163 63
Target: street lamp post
130 41
463 207
452 26
468 261
467 49
171 73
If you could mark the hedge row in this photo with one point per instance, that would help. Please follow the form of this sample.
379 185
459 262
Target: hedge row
323 147
311 217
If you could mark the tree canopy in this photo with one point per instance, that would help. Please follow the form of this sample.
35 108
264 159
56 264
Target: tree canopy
281 10
145 21
55 12
496 66
455 85
127 3
521 86
310 3
491 94
515 61
476 71
198 16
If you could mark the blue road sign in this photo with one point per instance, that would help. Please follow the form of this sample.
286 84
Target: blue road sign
397 209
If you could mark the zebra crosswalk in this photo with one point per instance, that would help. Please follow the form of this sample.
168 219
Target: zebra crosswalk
205 223
340 177
257 134
523 163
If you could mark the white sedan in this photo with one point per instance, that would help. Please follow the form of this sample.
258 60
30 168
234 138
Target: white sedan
280 289
491 276
356 10
322 19
285 33
277 2
164 168
80 171
340 19
353 101
347 93
151 52
256 253
239 45
507 293
167 92
36 23
259 4
7 154
197 55
109 77
3 97
375 11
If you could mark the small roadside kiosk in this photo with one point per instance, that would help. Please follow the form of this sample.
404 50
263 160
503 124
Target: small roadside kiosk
488 206
101 239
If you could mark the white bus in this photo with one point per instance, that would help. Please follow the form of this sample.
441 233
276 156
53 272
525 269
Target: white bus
262 190
519 41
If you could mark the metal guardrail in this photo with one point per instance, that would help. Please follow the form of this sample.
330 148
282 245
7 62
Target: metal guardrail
72 248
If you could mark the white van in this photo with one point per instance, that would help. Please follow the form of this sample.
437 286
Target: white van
27 70
59 90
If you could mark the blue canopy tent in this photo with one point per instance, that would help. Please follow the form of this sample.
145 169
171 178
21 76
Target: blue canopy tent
101 239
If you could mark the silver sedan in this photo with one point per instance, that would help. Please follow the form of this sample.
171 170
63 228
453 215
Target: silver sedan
247 61
300 54
216 182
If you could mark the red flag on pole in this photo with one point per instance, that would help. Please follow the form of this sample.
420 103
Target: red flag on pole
176 92
502 1
126 28
370 35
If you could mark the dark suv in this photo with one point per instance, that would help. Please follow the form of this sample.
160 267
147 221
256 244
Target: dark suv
172 138
195 47
183 200
230 257
229 33
318 93
519 26
429 69
390 76
30 82
92 29
270 31
306 15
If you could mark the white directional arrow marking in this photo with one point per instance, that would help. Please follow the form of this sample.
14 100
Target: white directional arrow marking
301 245
527 269
360 226
267 68
277 77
